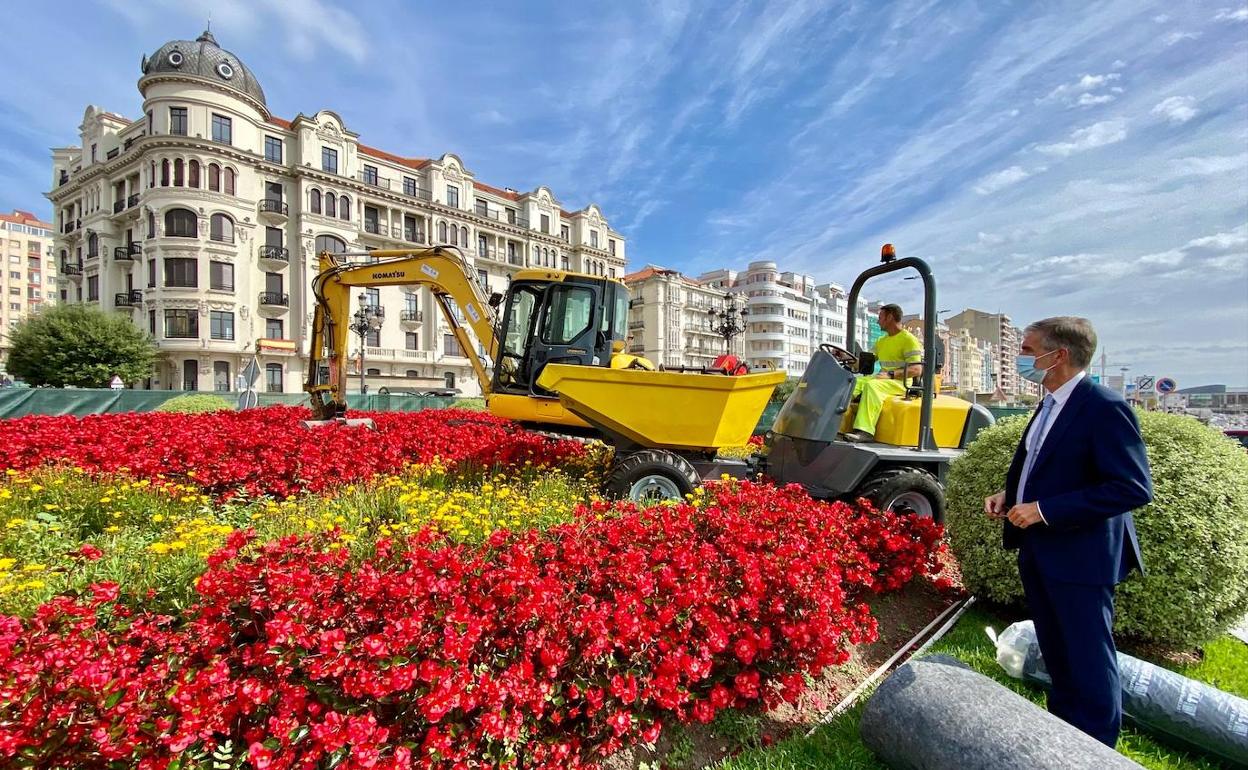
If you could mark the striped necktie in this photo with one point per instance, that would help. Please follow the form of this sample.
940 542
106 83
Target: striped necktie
1033 443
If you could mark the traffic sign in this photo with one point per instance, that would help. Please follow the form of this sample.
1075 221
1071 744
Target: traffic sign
1167 385
1144 382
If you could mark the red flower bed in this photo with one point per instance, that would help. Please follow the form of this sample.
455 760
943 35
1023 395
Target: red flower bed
535 650
265 451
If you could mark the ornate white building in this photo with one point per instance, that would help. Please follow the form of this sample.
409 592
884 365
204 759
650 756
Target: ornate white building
203 218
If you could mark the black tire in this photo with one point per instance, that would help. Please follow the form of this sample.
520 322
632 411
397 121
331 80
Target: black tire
651 475
896 489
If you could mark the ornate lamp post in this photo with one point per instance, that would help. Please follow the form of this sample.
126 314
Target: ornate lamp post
728 322
368 318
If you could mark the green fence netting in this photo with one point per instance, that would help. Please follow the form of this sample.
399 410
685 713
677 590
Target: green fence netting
19 402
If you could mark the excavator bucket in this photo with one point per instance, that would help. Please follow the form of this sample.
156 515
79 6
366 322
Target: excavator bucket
667 410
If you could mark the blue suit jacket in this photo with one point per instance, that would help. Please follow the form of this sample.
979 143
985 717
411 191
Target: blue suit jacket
1091 472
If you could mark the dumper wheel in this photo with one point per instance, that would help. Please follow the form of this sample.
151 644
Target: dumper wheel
906 490
651 476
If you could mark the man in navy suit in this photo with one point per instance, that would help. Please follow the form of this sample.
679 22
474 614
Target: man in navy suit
1076 476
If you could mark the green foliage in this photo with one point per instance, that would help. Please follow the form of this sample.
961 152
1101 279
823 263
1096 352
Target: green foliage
784 390
474 404
79 345
193 403
1194 534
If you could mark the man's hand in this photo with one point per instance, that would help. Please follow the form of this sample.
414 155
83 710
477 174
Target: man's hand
883 376
995 506
1024 515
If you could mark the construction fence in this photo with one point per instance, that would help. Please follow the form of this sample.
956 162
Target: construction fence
19 402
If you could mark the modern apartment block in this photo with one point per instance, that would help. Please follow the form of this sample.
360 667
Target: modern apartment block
29 272
202 219
1004 337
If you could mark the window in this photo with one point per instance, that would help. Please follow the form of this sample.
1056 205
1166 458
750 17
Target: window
483 279
229 181
463 236
545 223
372 297
452 196
331 205
482 250
611 246
93 246
448 379
93 153
151 273
221 228
273 378
409 186
442 232
181 223
182 324
178 178
450 346
563 262
151 322
314 201
344 207
193 174
222 323
370 175
330 243
273 237
214 177
593 238
273 149
164 173
570 314
411 374
564 232
93 288
221 376
273 283
374 372
412 341
190 375
373 339
221 276
222 129
273 329
329 160
17 292
177 121
181 272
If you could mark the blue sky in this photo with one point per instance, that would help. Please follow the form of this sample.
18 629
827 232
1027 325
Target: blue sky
1046 158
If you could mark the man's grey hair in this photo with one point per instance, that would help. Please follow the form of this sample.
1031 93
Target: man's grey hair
1067 331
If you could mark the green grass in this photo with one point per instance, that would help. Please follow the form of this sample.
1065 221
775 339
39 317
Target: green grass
1225 665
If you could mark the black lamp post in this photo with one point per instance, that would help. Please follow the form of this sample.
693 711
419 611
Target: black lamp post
728 322
368 318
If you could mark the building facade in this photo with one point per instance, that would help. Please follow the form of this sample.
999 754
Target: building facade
29 272
670 319
1005 338
203 220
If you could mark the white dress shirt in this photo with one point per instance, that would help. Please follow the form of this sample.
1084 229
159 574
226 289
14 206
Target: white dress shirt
1060 397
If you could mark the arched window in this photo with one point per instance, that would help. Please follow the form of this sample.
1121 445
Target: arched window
331 205
214 177
93 245
442 232
193 174
412 374
164 173
221 228
537 255
151 225
181 223
177 173
314 201
344 207
449 379
463 236
330 243
151 178
229 181
454 235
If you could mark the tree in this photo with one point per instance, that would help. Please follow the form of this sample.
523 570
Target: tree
79 345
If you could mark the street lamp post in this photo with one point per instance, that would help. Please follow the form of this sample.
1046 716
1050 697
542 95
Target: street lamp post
368 318
728 322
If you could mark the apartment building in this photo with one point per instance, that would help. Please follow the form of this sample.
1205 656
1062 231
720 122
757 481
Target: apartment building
29 273
1003 336
671 316
202 219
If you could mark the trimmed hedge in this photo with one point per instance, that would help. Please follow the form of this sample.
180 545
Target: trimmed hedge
195 403
1194 534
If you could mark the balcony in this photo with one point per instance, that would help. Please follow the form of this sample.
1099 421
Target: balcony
74 271
413 236
397 354
412 317
132 201
119 205
373 180
128 299
128 253
374 227
274 299
274 208
275 254
69 226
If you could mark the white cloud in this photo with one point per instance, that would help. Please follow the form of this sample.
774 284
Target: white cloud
1081 93
1001 179
1176 109
1118 64
1232 14
1178 37
1209 165
1161 18
1087 100
1083 139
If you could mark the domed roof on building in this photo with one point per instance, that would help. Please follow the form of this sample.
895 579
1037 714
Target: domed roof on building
202 58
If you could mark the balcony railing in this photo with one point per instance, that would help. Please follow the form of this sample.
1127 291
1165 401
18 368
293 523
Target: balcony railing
398 353
112 153
279 253
119 206
273 206
375 180
413 236
132 298
412 316
376 228
126 253
71 269
274 299
132 201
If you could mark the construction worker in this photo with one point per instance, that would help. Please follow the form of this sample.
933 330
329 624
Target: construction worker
900 356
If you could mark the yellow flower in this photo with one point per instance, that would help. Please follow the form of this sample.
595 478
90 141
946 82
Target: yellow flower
7 564
36 487
177 545
158 548
33 568
49 507
33 584
158 518
105 500
113 528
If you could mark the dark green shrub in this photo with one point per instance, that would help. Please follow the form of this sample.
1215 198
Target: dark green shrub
1194 535
193 403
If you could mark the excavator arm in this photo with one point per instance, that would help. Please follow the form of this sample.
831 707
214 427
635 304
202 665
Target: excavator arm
442 269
